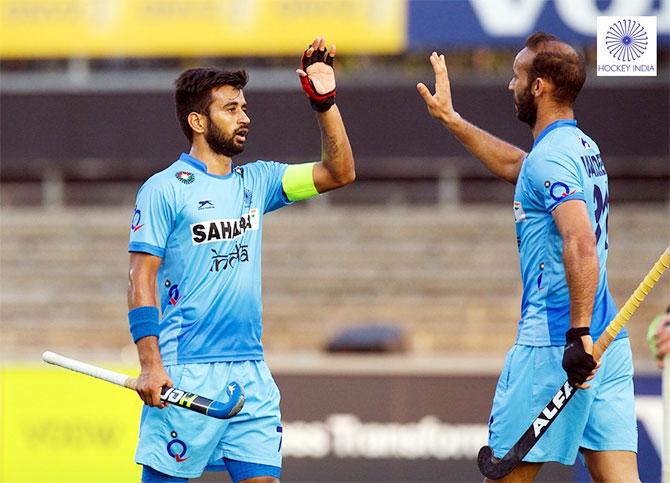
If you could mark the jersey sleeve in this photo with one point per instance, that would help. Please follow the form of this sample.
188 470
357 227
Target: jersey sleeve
270 179
152 221
555 179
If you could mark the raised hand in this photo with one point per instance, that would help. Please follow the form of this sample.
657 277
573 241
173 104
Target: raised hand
317 76
439 104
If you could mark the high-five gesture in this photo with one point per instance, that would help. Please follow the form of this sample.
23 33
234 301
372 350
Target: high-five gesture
317 76
439 104
501 158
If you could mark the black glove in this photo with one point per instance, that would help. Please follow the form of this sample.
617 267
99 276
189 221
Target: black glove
576 361
320 102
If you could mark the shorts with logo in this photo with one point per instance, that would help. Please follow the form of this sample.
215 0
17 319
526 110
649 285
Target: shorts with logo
601 418
184 443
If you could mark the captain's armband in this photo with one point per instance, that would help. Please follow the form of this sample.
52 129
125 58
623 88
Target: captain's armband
298 182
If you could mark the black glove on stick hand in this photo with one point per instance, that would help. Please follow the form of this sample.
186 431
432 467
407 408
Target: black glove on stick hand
317 76
578 363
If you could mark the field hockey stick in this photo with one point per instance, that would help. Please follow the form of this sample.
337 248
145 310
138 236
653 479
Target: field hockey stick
178 397
494 468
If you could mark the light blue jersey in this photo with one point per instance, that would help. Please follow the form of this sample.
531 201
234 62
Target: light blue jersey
564 164
207 229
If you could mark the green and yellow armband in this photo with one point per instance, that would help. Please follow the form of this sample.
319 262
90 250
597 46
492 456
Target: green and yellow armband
298 182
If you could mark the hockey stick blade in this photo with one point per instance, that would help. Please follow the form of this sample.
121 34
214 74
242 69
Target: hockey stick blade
494 468
206 406
172 395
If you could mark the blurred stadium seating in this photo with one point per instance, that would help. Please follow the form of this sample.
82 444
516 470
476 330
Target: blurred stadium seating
448 276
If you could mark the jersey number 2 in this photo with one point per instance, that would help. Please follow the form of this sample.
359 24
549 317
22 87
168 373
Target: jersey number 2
602 205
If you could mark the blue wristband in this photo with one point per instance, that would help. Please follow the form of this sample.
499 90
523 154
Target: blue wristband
143 322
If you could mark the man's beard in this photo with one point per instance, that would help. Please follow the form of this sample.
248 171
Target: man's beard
526 110
221 144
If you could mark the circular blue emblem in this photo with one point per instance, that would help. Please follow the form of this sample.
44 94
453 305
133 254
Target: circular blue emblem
560 190
177 449
626 40
135 223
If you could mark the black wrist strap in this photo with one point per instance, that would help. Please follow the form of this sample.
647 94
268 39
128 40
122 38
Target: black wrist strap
577 332
324 105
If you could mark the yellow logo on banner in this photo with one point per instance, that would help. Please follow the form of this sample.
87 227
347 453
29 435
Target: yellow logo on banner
159 28
57 426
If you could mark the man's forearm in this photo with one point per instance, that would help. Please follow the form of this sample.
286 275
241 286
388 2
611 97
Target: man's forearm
149 353
581 270
148 350
500 157
336 153
141 288
142 297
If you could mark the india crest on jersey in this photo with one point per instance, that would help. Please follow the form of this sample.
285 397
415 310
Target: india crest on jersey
185 177
519 214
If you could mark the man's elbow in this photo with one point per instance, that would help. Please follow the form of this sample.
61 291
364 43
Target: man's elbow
346 176
583 244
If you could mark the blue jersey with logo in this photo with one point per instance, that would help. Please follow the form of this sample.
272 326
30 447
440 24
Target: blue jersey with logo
564 164
207 229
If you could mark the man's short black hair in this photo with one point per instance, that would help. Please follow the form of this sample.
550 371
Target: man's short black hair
193 91
558 62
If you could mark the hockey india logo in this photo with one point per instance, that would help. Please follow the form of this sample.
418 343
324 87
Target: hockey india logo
185 177
626 40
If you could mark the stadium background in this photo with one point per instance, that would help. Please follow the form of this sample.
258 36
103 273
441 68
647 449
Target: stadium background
419 253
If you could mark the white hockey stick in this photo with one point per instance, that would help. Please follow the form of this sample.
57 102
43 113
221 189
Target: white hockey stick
184 399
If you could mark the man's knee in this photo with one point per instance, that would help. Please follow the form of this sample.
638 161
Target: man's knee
611 466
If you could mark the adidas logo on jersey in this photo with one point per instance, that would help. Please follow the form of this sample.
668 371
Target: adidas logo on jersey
220 230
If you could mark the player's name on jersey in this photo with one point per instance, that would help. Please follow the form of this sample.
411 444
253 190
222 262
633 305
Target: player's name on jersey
220 230
594 165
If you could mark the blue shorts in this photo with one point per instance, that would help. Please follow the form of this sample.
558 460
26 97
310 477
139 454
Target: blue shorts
601 418
184 443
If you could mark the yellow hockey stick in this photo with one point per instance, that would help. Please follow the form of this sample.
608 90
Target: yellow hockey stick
495 468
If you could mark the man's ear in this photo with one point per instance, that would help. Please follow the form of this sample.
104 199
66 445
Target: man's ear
197 122
539 87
